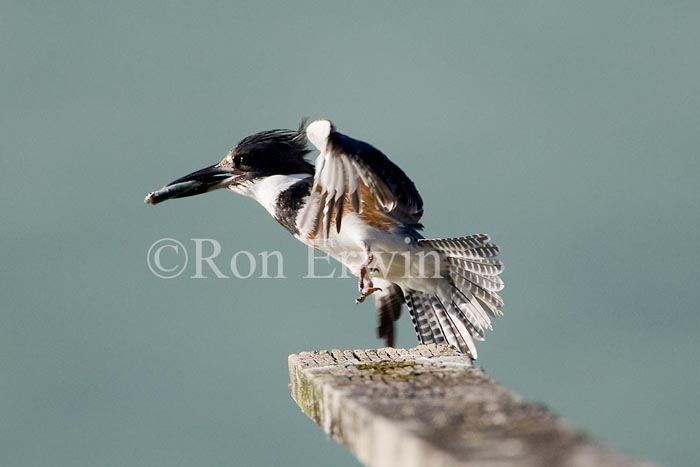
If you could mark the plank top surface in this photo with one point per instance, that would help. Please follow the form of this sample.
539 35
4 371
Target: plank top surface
430 406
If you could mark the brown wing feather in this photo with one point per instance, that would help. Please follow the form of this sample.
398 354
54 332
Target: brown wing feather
388 302
352 175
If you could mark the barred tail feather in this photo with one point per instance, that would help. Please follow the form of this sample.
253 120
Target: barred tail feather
419 319
441 322
460 316
475 247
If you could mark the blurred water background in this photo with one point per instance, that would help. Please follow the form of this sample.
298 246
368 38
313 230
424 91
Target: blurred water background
568 131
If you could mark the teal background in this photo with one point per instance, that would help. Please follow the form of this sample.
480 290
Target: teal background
568 131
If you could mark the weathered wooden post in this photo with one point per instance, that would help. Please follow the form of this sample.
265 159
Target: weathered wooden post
429 406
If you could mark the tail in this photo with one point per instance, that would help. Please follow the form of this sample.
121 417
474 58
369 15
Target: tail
462 310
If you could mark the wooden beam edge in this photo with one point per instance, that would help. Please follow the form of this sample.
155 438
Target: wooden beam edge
363 399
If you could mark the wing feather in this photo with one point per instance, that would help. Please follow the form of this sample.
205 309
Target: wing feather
388 302
344 166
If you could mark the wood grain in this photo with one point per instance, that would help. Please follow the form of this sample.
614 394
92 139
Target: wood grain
429 406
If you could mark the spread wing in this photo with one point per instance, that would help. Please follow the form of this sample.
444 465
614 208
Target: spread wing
351 174
388 303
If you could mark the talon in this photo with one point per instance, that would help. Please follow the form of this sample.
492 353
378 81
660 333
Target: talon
366 293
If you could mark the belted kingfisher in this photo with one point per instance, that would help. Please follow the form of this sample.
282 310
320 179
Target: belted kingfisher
360 208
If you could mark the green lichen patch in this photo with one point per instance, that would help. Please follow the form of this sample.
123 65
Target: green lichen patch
307 397
395 370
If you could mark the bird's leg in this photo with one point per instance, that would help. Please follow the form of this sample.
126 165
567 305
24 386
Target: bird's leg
365 285
366 288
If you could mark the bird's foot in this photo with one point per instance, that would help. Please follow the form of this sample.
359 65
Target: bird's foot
365 286
366 293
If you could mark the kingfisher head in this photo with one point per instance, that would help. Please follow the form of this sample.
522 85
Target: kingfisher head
256 158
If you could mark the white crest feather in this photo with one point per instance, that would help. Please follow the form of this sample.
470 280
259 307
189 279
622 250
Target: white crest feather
318 132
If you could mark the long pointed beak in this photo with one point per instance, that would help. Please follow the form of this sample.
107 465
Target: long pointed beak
196 183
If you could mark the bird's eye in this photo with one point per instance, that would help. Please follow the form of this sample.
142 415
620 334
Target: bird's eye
241 161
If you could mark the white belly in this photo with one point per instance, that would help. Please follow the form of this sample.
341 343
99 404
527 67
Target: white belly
396 259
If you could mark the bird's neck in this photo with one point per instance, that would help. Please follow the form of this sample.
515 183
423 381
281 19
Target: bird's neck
268 189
